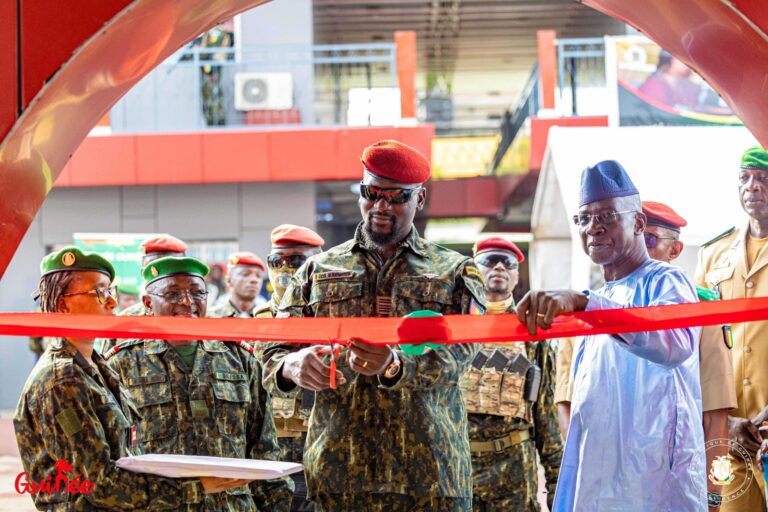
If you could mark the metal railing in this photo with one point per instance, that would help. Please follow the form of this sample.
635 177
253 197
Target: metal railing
580 69
196 87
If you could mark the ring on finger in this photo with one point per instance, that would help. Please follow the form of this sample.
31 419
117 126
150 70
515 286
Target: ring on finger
540 314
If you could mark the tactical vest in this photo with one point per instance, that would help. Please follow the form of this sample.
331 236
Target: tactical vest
292 414
501 382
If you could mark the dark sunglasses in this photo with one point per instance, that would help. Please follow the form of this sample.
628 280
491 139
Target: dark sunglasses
491 260
390 195
651 240
293 261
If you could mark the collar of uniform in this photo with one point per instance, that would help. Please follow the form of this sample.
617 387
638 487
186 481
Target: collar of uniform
155 346
413 241
214 346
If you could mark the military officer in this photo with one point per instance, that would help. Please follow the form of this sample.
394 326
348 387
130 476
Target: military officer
199 398
509 396
245 275
152 248
291 247
74 412
734 264
393 436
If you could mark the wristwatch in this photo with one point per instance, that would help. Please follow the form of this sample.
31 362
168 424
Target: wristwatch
713 499
391 371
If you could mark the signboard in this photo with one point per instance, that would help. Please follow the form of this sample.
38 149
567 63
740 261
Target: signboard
121 249
655 88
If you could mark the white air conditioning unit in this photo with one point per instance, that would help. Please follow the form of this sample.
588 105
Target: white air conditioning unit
263 91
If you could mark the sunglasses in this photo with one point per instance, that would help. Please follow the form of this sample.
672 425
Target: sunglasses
102 294
390 195
293 261
491 260
651 240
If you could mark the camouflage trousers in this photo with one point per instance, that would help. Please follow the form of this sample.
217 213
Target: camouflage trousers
292 450
505 481
390 503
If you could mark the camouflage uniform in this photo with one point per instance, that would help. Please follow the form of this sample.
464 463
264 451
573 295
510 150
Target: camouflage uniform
228 310
375 443
217 408
506 429
104 345
74 411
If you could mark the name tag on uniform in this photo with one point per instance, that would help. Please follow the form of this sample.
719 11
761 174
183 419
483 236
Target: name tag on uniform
325 276
199 409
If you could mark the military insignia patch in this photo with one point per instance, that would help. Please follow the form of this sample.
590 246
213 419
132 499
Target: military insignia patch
728 336
199 409
154 271
69 421
472 271
324 276
68 259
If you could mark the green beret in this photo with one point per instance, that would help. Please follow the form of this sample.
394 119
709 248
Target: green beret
171 266
73 258
755 158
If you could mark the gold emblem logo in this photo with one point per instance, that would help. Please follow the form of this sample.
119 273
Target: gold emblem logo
68 259
154 271
721 472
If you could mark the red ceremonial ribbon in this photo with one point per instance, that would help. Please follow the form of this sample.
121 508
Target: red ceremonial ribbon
445 329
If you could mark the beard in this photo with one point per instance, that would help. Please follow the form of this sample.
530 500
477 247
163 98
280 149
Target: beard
379 239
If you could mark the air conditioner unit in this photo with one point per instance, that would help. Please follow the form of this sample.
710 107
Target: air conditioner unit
263 91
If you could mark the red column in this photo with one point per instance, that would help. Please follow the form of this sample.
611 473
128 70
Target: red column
405 45
545 42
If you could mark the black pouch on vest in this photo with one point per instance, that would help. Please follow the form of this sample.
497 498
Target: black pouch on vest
307 400
479 361
532 383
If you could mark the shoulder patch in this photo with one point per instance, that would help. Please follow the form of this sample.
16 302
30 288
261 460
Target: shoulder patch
69 422
473 271
245 345
121 346
339 274
718 237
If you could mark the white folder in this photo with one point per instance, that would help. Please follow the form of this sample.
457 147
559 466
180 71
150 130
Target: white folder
185 466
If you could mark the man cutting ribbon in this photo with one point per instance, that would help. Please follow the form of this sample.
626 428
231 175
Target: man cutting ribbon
635 441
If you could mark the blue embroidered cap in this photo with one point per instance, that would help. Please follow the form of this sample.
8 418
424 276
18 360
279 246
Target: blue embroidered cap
605 180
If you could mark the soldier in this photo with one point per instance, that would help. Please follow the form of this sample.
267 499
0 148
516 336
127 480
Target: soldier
735 266
199 398
291 246
245 274
393 436
75 416
509 397
152 249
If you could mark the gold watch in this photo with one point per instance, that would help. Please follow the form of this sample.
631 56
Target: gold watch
393 368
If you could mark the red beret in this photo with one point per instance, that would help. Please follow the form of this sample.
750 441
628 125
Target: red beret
163 243
498 243
662 215
288 235
247 259
396 161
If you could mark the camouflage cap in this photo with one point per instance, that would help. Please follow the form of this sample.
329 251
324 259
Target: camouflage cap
755 158
74 258
171 266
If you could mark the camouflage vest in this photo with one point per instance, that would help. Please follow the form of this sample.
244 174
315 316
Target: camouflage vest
502 381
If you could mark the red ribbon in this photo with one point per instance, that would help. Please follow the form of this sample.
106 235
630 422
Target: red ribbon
446 329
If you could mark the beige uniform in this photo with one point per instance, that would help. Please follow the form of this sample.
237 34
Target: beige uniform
723 268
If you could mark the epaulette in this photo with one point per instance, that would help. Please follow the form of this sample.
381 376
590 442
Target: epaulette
120 346
245 345
718 237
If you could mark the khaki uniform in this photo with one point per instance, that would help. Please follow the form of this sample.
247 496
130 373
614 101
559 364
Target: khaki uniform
393 445
77 412
506 427
216 408
564 363
723 268
228 310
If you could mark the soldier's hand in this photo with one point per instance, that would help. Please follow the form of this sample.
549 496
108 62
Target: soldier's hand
539 308
307 370
368 359
745 433
214 484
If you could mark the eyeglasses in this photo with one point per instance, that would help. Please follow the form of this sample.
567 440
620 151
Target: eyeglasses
177 297
603 218
491 260
102 294
651 240
293 261
390 195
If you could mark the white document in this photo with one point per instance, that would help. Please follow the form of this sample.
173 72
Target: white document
185 466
